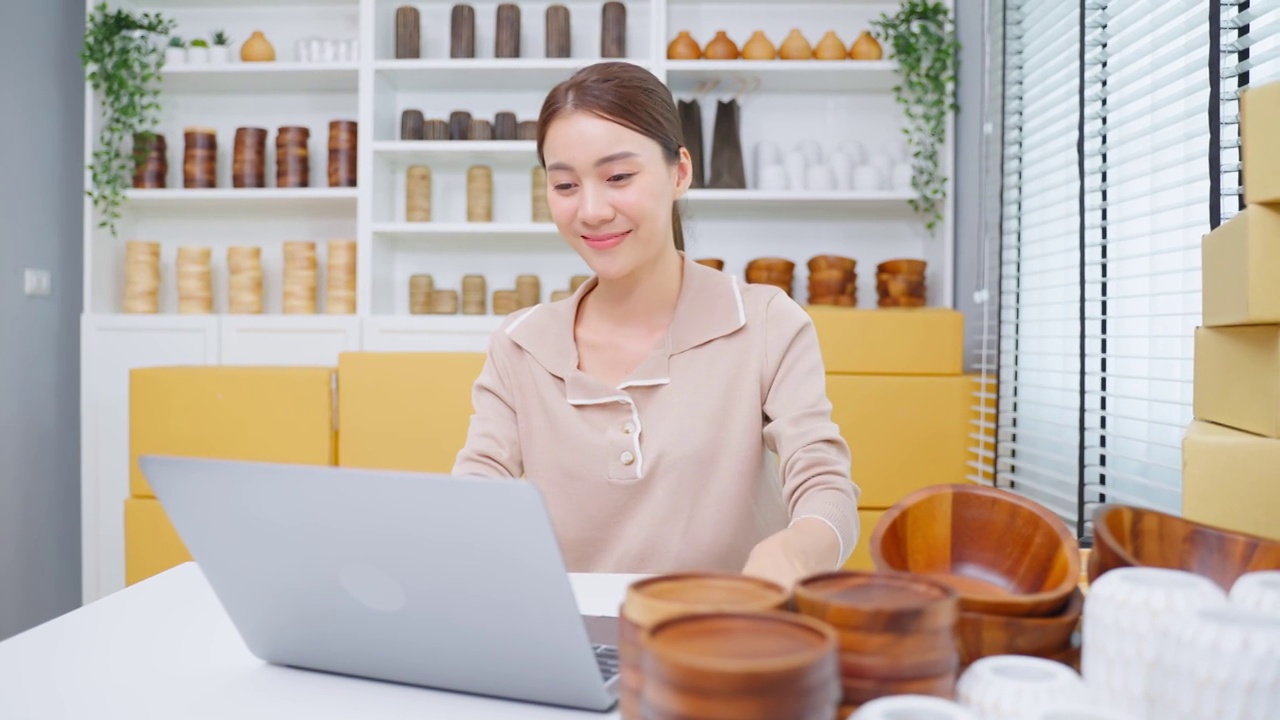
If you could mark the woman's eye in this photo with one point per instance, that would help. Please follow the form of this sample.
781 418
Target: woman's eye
562 187
620 177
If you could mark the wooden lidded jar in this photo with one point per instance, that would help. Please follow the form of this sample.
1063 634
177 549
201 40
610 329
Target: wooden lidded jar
200 158
293 162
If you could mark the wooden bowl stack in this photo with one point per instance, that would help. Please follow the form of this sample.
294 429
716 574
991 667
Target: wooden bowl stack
340 278
897 632
473 295
833 280
244 280
420 289
444 302
141 277
1022 602
900 283
195 281
504 302
774 271
714 263
249 158
741 665
299 277
528 291
151 155
342 153
654 600
200 158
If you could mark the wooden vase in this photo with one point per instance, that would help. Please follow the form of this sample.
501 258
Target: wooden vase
293 163
759 47
720 48
257 48
504 302
613 30
459 125
249 158
507 38
436 130
200 158
342 153
527 130
151 161
417 200
683 47
559 36
480 129
795 47
830 47
504 126
408 27
444 302
412 125
479 193
462 29
865 47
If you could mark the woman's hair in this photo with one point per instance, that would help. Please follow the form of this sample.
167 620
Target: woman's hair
626 94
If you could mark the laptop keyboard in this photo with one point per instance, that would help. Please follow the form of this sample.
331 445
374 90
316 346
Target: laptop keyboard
607 658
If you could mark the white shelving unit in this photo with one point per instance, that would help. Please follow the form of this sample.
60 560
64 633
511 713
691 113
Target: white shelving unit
784 102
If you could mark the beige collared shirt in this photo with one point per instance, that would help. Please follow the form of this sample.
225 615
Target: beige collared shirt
720 438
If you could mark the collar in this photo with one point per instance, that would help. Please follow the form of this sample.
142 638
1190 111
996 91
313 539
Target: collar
709 307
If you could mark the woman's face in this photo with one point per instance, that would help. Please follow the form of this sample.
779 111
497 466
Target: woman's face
610 192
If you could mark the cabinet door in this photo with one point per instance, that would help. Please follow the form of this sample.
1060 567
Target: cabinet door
427 333
287 339
111 347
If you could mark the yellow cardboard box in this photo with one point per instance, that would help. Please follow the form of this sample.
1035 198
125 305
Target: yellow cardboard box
1231 479
404 411
151 544
1240 265
890 341
861 557
1237 377
1260 142
904 432
264 414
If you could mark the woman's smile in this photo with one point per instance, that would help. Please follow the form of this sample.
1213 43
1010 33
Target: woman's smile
605 241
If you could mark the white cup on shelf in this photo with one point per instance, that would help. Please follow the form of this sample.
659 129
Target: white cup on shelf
812 151
820 178
867 178
857 154
900 178
773 178
767 154
797 170
842 169
882 160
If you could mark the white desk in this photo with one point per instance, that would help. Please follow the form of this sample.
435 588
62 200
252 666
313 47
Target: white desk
165 649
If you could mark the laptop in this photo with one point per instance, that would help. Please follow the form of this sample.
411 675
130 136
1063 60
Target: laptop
443 582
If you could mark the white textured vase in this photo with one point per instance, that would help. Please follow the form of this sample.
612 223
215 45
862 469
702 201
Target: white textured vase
1016 687
1257 591
897 707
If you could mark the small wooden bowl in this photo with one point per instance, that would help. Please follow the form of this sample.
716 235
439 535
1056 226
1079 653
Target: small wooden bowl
901 302
773 264
877 602
900 286
962 535
982 635
835 288
1127 536
762 275
819 263
834 300
830 275
716 263
902 267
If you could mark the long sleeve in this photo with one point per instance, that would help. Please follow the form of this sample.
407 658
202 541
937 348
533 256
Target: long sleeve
813 459
493 438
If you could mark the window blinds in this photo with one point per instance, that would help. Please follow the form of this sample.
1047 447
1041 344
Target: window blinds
1249 38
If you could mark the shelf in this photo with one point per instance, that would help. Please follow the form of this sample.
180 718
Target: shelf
783 75
270 77
220 198
482 74
152 5
468 152
839 199
469 231
414 324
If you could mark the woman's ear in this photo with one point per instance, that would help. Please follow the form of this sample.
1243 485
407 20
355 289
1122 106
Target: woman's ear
684 172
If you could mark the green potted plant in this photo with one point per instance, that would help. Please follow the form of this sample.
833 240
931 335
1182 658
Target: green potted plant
199 51
921 37
220 52
176 52
123 54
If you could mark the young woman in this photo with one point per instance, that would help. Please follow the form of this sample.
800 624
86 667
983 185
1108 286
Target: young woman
673 418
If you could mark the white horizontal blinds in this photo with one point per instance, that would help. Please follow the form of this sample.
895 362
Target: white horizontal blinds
1249 35
1147 196
1038 356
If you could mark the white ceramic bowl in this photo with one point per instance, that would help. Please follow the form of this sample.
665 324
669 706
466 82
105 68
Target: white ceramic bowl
1257 591
912 707
1016 687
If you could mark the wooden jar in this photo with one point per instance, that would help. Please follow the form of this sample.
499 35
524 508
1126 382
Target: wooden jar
342 153
417 194
480 129
459 125
249 158
200 158
444 302
613 30
528 291
473 295
576 281
778 272
195 280
421 290
300 267
507 38
479 194
436 129
293 162
901 283
559 37
141 277
653 600
151 156
408 30
713 263
340 278
504 302
833 281
244 280
527 130
462 32
504 125
412 125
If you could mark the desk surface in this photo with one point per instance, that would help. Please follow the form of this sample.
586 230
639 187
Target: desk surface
164 648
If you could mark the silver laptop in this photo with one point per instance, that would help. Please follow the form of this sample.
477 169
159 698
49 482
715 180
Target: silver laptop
449 583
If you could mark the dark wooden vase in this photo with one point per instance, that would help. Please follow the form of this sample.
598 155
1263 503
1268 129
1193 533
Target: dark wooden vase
507 39
559 43
408 29
462 28
527 130
412 125
436 130
249 158
151 168
342 153
460 125
481 129
293 161
613 30
200 158
504 126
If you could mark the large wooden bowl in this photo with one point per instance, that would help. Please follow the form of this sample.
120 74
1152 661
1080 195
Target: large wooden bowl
1126 536
982 635
1003 553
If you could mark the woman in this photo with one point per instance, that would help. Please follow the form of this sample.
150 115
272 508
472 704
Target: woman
673 418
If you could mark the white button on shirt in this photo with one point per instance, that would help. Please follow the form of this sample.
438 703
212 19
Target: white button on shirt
628 428
627 457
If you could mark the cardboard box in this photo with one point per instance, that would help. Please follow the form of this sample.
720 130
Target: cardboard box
904 432
151 544
1260 142
890 341
404 411
1237 378
1241 269
1231 479
263 414
861 557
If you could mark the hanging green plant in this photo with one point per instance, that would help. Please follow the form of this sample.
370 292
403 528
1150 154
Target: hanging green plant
921 37
123 53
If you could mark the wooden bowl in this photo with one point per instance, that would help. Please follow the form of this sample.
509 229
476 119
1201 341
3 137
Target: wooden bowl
716 263
900 286
773 264
833 300
981 634
966 537
1128 536
902 267
901 302
831 262
878 602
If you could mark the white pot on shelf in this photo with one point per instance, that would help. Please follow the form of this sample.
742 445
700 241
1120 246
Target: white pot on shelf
198 55
175 56
219 54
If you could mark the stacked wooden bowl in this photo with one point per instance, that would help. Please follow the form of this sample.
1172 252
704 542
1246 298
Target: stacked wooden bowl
420 289
833 280
778 272
300 268
655 600
900 283
896 632
740 666
1014 564
195 281
141 277
340 278
244 280
713 263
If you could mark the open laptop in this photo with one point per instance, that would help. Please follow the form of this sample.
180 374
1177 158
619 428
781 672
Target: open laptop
450 583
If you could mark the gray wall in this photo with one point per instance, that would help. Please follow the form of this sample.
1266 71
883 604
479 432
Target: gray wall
41 146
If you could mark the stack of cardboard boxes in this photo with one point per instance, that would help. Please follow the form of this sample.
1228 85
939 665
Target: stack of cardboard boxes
1231 451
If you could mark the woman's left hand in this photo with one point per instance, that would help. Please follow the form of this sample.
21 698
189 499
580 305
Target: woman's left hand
806 548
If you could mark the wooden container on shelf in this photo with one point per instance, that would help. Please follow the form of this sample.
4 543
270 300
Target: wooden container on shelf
504 125
462 31
504 302
195 280
200 158
444 302
480 129
720 47
413 125
342 153
479 193
141 277
683 47
437 129
249 158
417 191
613 30
293 161
559 37
300 270
244 280
408 30
421 290
778 272
340 278
459 125
151 157
528 291
541 211
474 294
507 37
527 130
713 263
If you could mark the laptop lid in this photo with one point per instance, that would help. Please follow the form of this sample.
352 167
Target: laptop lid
444 582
